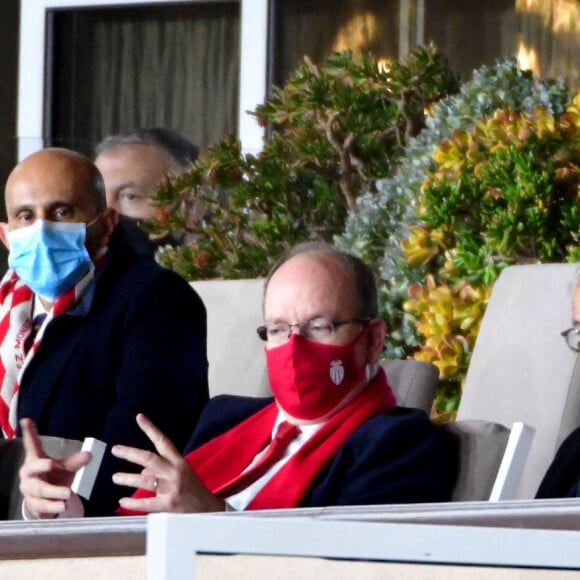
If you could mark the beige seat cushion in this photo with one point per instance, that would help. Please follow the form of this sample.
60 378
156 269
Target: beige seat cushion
235 352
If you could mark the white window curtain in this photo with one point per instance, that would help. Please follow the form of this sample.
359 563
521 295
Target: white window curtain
115 70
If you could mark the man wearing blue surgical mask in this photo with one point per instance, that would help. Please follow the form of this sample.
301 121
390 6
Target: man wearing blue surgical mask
115 334
49 224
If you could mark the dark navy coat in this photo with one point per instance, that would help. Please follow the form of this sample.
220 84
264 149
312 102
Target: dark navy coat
136 342
398 456
563 476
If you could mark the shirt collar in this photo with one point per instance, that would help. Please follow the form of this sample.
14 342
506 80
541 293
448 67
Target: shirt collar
308 430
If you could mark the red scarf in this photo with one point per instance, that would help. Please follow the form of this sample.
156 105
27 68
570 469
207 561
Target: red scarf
16 350
226 456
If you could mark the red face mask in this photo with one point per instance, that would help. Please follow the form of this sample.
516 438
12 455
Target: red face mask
309 379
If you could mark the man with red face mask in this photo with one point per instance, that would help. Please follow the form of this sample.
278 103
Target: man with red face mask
332 435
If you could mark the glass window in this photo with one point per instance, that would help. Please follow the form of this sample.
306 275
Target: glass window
543 34
113 70
320 27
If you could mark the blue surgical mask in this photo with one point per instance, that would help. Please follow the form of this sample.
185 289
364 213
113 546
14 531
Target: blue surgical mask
49 257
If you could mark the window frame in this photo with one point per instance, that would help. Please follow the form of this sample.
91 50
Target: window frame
32 94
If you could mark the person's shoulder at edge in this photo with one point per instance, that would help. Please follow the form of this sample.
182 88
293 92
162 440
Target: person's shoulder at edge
562 479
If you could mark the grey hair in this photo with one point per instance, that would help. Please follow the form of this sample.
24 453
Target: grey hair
363 280
180 150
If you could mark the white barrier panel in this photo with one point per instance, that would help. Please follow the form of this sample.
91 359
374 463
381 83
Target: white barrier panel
173 540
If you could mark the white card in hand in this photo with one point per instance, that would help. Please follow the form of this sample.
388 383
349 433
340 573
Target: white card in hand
85 477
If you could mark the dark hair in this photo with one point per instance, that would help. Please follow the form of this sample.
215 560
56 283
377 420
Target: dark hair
181 151
363 279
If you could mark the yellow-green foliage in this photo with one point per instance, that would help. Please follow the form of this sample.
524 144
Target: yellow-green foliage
506 191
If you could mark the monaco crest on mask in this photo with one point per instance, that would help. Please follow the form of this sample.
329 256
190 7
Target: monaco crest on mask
336 372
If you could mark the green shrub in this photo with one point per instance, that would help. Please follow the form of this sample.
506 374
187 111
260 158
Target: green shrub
333 130
436 188
506 191
386 213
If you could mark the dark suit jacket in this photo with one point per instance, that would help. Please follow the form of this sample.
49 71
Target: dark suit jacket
140 241
136 237
563 476
136 342
395 457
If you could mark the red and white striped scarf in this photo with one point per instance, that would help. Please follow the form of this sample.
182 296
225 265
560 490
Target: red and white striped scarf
17 345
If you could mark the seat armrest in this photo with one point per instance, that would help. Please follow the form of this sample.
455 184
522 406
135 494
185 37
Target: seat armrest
491 459
11 458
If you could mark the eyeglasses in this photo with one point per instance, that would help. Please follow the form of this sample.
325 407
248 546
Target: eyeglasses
572 338
318 329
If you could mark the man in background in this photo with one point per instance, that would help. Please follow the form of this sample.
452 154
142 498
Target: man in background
133 165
